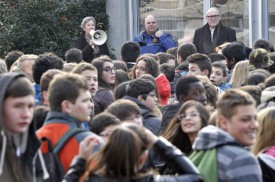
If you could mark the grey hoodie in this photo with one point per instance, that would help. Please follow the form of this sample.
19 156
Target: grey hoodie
16 166
234 162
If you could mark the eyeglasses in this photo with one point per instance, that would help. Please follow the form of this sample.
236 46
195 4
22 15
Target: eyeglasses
212 16
109 69
183 116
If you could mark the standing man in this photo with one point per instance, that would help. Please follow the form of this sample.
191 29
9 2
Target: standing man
213 33
152 40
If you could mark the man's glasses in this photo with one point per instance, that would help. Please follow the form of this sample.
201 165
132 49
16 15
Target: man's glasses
109 69
212 16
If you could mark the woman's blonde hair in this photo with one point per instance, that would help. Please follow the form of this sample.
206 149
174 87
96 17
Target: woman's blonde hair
239 73
266 132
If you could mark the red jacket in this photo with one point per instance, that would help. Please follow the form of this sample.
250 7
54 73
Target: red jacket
55 126
164 89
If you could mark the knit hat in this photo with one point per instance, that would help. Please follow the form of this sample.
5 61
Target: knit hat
268 94
259 58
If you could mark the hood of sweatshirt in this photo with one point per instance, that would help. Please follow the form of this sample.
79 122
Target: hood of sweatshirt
211 137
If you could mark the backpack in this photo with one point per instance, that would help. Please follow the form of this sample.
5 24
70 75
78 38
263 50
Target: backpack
52 162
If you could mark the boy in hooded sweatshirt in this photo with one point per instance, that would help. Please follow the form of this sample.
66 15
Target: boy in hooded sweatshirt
222 148
19 145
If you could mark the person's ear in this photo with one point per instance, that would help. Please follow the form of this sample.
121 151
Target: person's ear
45 97
205 72
179 59
66 106
222 122
140 98
224 79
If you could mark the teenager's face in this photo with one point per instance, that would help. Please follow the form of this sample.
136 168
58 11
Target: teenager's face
108 72
140 68
90 25
82 107
194 70
217 77
18 113
196 92
191 121
91 77
151 100
243 124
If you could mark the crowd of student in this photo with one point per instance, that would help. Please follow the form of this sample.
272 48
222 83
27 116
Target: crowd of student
186 115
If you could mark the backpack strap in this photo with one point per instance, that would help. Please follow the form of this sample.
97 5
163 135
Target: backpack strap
63 140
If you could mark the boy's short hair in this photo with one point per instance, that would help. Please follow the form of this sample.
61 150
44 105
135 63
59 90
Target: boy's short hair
65 87
216 57
185 50
73 55
168 71
79 68
130 51
45 62
103 120
19 87
262 43
139 86
202 60
47 77
234 50
164 57
11 57
229 99
221 66
23 58
123 108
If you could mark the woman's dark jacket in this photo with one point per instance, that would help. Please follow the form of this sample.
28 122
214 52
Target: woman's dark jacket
88 52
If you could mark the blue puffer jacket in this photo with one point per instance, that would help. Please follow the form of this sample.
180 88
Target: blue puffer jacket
152 44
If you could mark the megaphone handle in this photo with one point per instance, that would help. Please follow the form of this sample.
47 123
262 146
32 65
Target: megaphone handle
91 43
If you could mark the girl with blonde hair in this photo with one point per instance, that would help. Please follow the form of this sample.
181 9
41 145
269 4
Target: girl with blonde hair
264 146
239 74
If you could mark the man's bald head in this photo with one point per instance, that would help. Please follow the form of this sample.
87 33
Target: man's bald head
150 24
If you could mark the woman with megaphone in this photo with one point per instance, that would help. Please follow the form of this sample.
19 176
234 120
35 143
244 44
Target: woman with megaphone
91 42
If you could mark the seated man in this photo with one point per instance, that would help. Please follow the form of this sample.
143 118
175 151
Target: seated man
220 151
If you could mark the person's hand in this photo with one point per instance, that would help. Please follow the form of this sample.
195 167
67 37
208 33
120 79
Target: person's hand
91 43
152 138
158 33
87 146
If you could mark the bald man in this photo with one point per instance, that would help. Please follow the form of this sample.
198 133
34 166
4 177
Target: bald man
152 40
213 33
